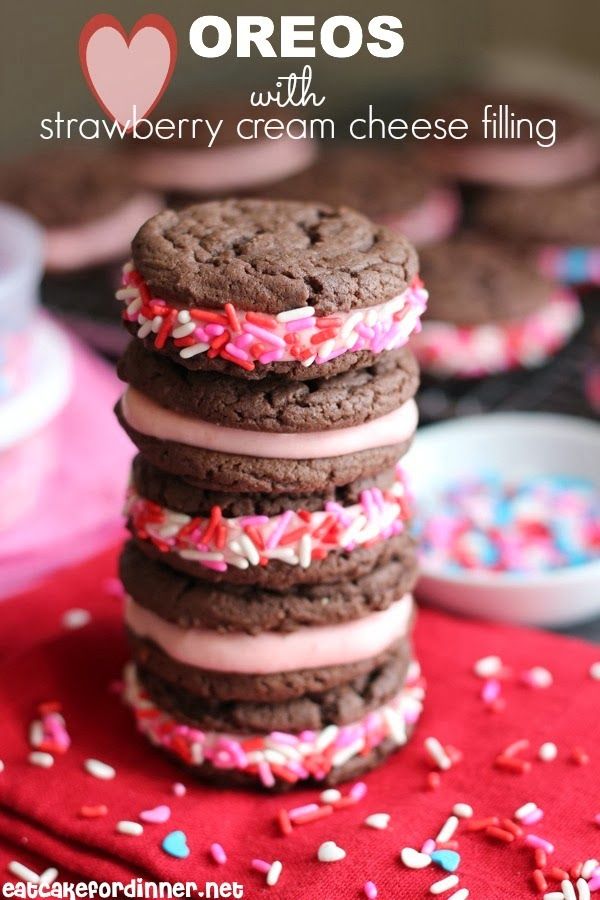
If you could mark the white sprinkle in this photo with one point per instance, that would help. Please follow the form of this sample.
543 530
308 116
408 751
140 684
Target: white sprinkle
21 871
439 887
488 666
301 312
308 362
49 876
326 348
145 328
249 549
554 895
274 873
183 316
437 754
127 293
194 350
523 811
331 795
132 828
583 889
538 677
128 267
134 307
379 821
447 830
568 890
412 859
99 769
330 852
595 670
462 810
548 752
305 551
327 736
1 767
184 330
589 867
76 618
460 895
396 725
341 757
38 758
36 733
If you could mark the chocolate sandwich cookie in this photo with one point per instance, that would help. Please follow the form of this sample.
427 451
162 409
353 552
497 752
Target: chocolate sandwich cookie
559 226
272 404
490 310
191 602
280 759
273 540
206 156
383 184
87 204
527 141
255 287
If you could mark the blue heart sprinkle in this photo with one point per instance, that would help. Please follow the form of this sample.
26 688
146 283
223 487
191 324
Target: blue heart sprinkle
448 860
175 844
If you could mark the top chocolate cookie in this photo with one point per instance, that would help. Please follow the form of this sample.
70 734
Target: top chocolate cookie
251 287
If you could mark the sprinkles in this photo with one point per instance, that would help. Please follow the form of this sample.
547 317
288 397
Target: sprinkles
246 338
307 755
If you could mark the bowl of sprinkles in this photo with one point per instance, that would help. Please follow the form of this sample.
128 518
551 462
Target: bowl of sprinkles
510 522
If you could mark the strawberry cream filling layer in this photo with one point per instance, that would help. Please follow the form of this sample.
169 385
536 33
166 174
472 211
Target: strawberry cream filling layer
279 757
244 337
146 417
309 647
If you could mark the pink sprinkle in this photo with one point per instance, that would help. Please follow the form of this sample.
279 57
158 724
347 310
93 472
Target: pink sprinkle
213 564
597 819
267 336
260 865
516 747
271 356
279 529
218 854
244 341
370 890
214 330
358 790
242 355
302 810
428 847
533 840
594 883
179 789
113 587
491 690
265 774
300 324
282 737
254 520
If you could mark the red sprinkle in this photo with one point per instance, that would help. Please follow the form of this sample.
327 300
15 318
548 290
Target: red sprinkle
541 858
512 764
93 812
205 315
539 880
320 813
499 834
284 822
482 824
323 336
243 363
575 871
434 780
232 317
258 319
558 874
165 329
579 756
509 825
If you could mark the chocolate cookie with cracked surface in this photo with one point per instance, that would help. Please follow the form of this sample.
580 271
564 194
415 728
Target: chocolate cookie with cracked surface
296 289
274 404
191 602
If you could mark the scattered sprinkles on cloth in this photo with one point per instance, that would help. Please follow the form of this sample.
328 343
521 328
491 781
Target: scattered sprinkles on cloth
536 525
244 337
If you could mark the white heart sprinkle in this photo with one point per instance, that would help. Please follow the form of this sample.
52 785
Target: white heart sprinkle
331 795
412 859
488 666
330 852
380 821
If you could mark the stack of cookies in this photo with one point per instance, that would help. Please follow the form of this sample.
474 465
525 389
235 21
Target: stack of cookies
270 568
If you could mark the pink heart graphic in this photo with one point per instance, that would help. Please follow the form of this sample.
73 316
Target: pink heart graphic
126 72
156 816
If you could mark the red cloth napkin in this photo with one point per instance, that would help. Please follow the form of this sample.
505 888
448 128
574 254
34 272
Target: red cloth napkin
39 808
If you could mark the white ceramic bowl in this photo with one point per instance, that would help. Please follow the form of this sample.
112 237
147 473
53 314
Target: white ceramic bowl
516 445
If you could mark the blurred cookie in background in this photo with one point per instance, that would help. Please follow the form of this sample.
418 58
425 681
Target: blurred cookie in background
489 310
381 183
524 141
88 207
203 158
559 223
